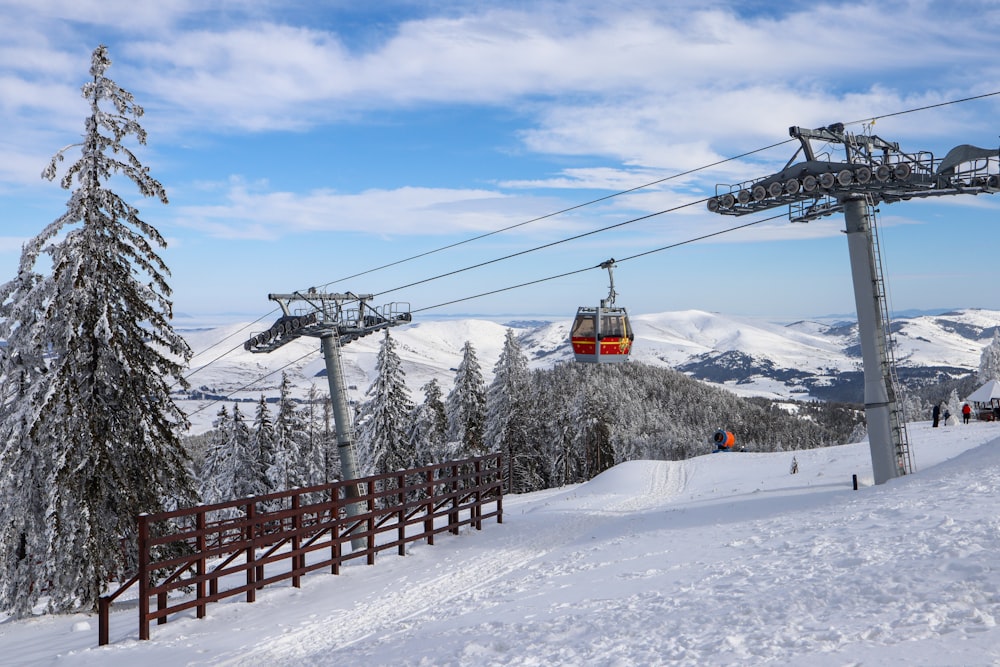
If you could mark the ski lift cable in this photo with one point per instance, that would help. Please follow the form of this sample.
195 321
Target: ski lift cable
223 340
251 383
927 107
493 233
601 265
702 237
627 222
559 212
542 247
868 120
645 185
640 187
507 289
464 269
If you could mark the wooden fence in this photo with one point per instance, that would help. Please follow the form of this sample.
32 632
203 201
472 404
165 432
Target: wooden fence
191 557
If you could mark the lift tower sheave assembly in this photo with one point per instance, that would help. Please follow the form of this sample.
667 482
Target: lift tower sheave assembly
874 171
336 319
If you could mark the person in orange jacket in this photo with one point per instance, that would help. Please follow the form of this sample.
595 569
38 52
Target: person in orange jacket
966 413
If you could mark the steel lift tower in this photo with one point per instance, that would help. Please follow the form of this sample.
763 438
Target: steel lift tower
873 171
328 317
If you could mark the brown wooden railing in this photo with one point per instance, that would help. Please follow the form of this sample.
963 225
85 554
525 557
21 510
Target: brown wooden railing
191 557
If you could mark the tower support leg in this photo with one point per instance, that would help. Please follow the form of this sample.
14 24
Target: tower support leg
342 420
871 330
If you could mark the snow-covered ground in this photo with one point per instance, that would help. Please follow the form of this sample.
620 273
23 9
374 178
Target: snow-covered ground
724 559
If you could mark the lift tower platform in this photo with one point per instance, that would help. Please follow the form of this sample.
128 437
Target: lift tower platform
874 171
336 319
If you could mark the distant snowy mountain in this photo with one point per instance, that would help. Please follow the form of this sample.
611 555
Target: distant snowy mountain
807 359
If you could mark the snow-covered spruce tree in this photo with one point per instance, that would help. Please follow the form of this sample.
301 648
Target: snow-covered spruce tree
430 427
384 419
506 419
553 430
289 468
989 362
216 456
89 434
262 446
248 476
318 448
238 471
466 405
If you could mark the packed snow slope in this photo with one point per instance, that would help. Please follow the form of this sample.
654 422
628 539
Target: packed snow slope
723 559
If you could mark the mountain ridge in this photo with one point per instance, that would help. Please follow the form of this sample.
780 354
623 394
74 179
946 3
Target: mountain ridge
804 360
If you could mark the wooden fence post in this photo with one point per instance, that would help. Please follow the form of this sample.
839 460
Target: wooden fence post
429 516
453 515
477 508
335 537
201 525
103 612
401 532
251 559
370 525
143 576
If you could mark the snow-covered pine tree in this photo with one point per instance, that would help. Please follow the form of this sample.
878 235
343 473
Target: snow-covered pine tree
323 431
507 419
466 405
89 433
430 427
248 476
289 469
989 362
554 430
216 456
913 409
384 419
233 466
262 446
318 448
246 472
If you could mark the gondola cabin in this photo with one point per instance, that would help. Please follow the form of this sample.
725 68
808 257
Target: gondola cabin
601 335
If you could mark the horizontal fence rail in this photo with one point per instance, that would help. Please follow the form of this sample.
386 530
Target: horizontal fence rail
191 557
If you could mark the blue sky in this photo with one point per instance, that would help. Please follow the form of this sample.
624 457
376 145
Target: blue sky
301 143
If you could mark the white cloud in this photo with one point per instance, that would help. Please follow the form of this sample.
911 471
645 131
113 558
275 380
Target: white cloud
649 84
252 212
652 88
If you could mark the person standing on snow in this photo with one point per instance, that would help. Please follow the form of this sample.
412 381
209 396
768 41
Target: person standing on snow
936 415
966 413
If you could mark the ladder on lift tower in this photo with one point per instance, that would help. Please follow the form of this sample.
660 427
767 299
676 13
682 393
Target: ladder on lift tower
897 420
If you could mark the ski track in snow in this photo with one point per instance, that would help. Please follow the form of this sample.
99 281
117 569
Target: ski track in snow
740 604
381 619
717 560
763 611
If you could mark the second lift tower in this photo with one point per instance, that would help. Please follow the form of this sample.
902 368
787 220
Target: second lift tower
336 319
873 171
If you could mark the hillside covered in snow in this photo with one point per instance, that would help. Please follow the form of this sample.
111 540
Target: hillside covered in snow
803 360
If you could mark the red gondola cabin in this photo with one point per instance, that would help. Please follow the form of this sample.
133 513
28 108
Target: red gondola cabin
602 335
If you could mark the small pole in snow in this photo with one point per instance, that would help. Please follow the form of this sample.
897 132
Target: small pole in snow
855 482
